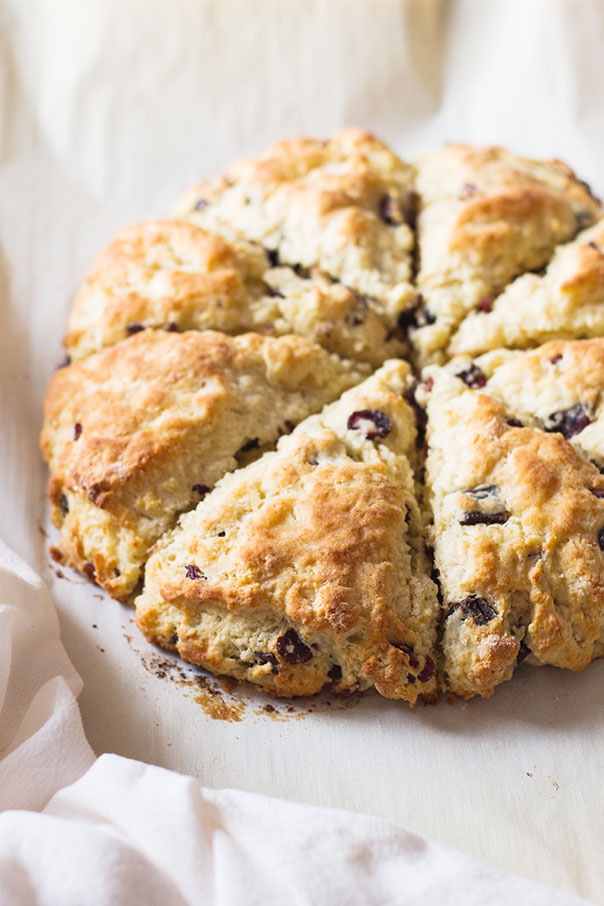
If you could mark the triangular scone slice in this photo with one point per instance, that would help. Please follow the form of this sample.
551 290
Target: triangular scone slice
341 205
307 567
566 301
137 433
518 536
177 276
558 387
485 217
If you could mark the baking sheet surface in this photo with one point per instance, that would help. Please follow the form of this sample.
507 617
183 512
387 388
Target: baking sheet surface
109 109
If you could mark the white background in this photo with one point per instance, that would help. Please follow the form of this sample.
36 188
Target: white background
109 108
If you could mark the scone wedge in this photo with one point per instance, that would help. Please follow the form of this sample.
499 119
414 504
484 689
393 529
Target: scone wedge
342 206
567 301
139 432
485 217
176 276
307 567
518 529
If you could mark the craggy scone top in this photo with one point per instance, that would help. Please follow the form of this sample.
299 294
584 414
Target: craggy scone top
222 453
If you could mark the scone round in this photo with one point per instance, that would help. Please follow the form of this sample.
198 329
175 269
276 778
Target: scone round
342 205
307 568
486 216
137 433
177 276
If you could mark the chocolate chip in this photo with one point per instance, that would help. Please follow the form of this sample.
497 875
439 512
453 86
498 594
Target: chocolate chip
77 431
201 489
476 607
485 305
371 422
514 423
134 327
63 505
569 422
428 670
601 538
292 649
391 211
200 204
273 257
475 517
194 572
220 534
472 376
266 657
252 444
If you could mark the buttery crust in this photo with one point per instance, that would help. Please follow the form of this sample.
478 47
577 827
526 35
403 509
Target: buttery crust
342 205
177 276
518 520
485 217
306 568
139 432
567 301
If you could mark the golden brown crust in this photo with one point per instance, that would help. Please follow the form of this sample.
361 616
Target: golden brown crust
314 539
136 434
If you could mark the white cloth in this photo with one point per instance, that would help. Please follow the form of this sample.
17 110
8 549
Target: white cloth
128 833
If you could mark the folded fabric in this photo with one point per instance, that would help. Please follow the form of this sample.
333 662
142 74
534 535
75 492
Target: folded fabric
115 831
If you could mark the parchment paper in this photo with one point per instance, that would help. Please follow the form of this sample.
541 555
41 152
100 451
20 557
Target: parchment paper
109 108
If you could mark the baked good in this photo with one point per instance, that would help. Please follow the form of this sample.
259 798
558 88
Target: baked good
417 534
343 205
176 276
307 567
518 512
486 216
566 301
137 433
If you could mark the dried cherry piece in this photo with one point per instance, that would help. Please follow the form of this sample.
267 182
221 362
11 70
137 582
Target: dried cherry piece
597 492
485 305
569 422
194 572
427 671
77 431
476 607
472 376
371 422
292 649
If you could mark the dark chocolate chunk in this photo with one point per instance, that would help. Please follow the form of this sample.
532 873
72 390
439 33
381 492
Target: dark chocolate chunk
472 376
77 431
292 649
569 422
371 422
391 211
194 572
476 607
